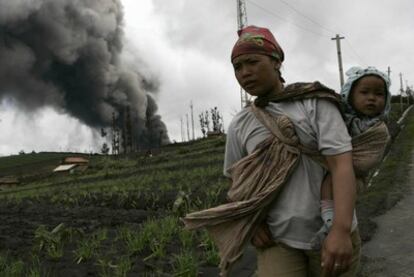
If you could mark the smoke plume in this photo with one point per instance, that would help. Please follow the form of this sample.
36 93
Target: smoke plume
66 54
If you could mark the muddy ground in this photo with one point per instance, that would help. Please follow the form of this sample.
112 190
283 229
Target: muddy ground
19 222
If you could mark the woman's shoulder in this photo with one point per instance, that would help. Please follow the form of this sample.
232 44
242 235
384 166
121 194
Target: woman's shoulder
241 118
311 90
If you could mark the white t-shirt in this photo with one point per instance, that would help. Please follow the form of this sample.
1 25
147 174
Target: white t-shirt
294 217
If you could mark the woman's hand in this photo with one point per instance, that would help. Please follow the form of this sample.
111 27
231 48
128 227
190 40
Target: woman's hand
336 252
262 238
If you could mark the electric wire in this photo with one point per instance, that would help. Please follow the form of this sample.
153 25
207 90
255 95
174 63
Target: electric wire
307 17
286 20
306 29
355 53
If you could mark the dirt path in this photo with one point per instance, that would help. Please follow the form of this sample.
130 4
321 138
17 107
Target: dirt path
391 250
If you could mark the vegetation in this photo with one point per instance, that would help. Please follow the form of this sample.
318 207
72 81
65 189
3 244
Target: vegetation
121 216
390 184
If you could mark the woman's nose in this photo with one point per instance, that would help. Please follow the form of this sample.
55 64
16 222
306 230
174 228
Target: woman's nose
245 71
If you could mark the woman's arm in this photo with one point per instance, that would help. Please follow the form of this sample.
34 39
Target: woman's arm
337 248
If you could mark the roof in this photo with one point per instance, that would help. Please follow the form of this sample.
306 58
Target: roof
9 180
64 167
75 160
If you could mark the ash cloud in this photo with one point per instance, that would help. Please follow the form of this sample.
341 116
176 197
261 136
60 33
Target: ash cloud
66 54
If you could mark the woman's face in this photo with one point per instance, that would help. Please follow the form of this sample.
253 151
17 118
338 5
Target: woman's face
257 74
368 96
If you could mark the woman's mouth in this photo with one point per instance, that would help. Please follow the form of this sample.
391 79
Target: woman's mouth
249 84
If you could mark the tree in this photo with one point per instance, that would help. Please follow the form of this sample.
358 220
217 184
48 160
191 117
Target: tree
206 120
202 125
103 132
105 149
217 120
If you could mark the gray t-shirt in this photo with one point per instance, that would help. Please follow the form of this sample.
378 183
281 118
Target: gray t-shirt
294 217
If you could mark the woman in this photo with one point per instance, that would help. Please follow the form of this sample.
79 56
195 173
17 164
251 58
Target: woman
275 191
293 218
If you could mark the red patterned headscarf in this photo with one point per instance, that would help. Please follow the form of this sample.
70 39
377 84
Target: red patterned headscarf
257 40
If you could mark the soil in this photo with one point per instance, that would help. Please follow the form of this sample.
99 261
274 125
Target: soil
391 250
20 220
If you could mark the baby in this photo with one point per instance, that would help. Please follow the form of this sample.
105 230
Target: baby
366 101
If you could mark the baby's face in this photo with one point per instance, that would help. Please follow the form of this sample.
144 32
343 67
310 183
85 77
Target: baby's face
368 96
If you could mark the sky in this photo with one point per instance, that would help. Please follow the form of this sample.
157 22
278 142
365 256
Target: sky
186 45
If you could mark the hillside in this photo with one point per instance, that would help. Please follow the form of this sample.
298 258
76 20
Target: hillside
116 217
32 164
121 216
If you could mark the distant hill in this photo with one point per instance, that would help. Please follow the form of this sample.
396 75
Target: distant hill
32 164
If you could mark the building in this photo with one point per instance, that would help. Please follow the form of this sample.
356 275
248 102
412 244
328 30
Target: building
8 181
71 165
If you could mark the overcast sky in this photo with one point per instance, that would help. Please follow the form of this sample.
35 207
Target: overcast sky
186 44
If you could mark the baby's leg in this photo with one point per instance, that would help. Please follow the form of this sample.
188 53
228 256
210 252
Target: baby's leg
327 209
327 212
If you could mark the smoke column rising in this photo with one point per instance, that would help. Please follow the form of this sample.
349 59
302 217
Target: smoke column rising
66 54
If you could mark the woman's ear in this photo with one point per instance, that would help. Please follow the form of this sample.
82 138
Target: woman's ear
276 64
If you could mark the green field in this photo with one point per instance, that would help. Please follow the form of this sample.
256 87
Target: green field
31 164
121 216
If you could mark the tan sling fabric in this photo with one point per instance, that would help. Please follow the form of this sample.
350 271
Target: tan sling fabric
255 185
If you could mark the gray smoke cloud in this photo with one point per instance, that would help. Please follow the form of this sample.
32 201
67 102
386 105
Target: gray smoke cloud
66 54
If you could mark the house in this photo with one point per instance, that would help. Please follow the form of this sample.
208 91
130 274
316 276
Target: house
75 160
8 181
71 165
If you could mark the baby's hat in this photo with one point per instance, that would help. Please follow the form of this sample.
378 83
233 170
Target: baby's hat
354 74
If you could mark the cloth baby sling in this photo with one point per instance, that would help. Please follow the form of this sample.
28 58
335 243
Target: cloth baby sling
259 177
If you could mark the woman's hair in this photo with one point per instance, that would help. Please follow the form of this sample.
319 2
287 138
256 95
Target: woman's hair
282 80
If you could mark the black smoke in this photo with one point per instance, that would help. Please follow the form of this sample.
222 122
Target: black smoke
66 54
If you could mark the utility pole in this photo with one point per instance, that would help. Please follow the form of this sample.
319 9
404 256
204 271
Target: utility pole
115 136
401 93
241 23
407 90
188 128
338 48
192 117
182 130
128 130
389 72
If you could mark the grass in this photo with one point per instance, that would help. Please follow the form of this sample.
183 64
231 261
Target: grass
29 164
180 179
390 185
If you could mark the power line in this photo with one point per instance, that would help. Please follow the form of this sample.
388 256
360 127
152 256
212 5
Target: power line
325 28
284 19
307 17
356 54
306 29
